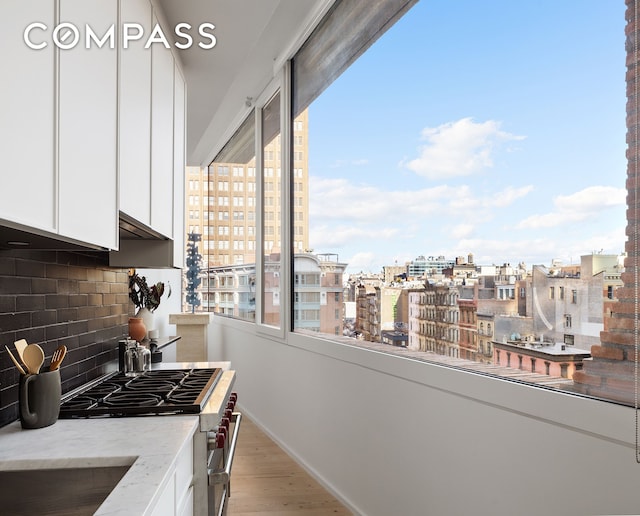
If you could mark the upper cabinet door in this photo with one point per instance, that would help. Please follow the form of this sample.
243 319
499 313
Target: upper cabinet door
162 70
27 107
179 169
135 116
87 128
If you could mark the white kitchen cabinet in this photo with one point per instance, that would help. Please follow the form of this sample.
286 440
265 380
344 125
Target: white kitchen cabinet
95 130
184 480
179 110
87 139
166 505
162 83
27 104
186 507
176 497
134 136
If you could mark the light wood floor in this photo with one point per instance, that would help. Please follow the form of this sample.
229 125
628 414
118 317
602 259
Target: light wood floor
265 481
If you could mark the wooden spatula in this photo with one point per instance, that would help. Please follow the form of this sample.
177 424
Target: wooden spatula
20 345
57 357
15 361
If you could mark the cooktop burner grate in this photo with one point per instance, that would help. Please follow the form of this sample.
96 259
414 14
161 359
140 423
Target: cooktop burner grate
151 393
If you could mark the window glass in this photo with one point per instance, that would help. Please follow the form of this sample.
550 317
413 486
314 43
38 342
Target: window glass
271 206
230 259
455 160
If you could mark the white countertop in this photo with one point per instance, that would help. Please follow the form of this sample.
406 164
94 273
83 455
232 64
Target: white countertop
150 444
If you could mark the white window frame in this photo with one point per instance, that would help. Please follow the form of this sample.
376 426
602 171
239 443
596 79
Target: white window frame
281 84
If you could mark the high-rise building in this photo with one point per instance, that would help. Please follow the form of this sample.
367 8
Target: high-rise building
221 204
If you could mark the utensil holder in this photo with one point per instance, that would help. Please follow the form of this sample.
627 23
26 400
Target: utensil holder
39 399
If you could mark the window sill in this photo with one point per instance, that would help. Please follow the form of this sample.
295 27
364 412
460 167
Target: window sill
589 416
606 420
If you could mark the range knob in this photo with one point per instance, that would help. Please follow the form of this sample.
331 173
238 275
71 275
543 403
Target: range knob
216 440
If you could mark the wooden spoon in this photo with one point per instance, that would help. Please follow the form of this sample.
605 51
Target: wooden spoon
15 361
57 357
20 345
33 357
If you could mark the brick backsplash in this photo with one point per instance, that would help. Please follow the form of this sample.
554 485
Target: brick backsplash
59 297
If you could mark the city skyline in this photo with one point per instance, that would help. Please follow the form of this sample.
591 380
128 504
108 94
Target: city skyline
487 128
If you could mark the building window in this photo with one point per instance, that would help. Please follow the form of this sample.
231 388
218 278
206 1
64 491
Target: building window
574 297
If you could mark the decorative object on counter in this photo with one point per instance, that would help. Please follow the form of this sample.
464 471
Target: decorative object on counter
148 319
137 329
193 261
144 296
39 399
146 299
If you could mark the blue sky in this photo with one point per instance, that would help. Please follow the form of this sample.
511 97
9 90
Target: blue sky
495 128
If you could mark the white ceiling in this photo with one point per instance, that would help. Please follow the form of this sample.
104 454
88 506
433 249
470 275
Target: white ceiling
252 36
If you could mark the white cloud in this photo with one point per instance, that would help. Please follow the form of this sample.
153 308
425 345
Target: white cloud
344 214
339 163
577 207
515 247
510 195
335 236
593 198
367 262
462 231
341 199
459 148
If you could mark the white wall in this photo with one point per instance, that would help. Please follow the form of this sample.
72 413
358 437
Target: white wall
391 436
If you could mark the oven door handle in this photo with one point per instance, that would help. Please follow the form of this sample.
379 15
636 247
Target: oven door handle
223 475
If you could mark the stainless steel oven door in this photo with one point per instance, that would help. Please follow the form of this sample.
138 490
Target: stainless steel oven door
221 448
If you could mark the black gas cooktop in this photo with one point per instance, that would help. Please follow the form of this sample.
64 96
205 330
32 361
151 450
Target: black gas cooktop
174 391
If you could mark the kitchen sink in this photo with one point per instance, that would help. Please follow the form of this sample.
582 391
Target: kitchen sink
51 490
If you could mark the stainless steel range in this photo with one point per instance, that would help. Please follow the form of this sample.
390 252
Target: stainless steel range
177 391
165 392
